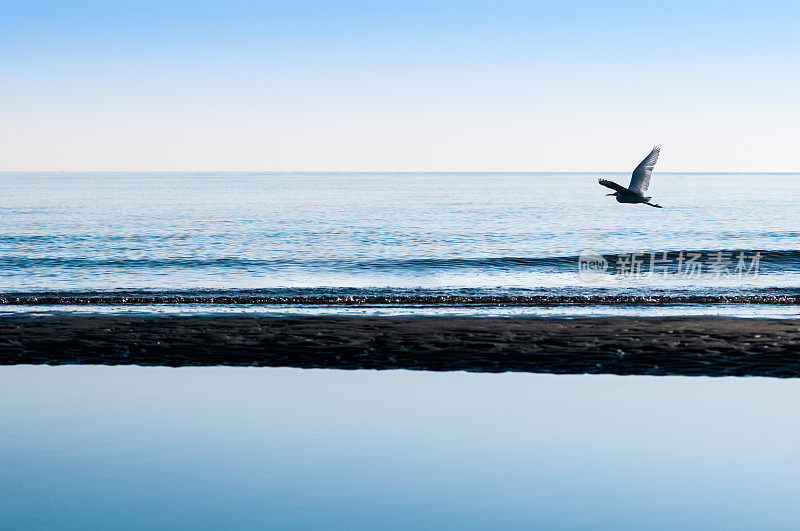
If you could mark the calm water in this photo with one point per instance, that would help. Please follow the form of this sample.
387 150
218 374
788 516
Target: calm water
279 242
130 447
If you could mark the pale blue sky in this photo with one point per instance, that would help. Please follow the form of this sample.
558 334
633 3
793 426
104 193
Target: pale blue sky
481 86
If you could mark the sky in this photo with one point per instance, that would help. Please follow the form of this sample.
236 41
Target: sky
398 86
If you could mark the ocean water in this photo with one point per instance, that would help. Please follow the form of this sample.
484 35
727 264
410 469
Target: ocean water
464 243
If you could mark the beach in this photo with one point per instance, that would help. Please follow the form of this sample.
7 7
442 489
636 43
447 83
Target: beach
689 346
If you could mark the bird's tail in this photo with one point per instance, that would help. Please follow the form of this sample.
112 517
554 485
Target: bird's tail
654 205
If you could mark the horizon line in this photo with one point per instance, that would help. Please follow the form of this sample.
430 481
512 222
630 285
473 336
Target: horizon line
323 172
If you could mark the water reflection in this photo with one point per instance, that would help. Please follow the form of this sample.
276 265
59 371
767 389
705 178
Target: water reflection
212 447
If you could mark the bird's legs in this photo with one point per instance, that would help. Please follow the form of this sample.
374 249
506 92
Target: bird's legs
653 205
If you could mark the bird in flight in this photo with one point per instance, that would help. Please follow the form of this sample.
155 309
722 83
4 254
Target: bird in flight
640 180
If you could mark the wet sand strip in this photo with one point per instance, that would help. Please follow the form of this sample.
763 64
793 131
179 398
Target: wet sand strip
691 346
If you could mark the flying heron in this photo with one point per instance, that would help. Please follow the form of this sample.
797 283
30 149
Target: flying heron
640 180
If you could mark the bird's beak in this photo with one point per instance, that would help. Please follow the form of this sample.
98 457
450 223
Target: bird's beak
610 194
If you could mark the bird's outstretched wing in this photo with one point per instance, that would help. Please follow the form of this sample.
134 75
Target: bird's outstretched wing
614 186
640 180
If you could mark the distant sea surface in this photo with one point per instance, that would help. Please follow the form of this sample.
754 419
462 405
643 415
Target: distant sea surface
395 243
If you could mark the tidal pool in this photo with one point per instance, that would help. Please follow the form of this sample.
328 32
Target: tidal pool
132 447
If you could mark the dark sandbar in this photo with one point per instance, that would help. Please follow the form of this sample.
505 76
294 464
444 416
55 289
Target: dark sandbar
621 345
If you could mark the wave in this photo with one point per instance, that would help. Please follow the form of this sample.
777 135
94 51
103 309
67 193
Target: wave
768 259
24 262
318 297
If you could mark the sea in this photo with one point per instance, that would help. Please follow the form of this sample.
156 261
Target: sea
479 244
127 447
